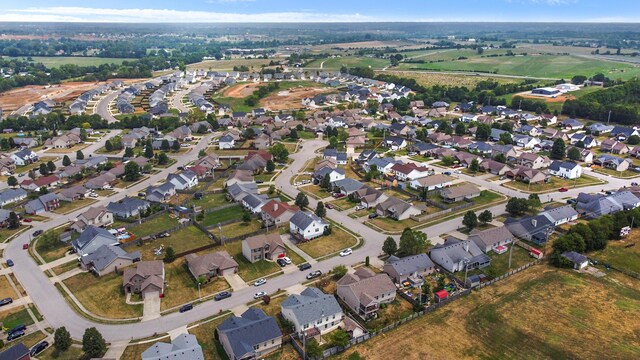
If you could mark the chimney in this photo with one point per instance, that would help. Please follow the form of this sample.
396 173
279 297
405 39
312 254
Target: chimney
534 222
275 207
466 246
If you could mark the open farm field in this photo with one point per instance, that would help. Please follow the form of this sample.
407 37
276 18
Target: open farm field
57 61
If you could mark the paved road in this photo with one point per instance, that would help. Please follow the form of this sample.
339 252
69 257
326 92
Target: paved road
102 108
176 99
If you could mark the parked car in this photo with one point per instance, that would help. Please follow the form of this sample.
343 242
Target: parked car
25 246
180 167
6 301
305 266
563 189
314 274
186 308
9 263
93 195
287 260
27 220
329 206
359 207
373 215
37 233
15 335
21 327
221 296
281 262
447 172
259 294
38 348
259 181
346 252
260 282
634 184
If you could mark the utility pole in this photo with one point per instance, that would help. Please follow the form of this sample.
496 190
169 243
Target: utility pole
511 252
609 117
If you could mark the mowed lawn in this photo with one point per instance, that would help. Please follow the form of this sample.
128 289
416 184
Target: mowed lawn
616 254
219 216
554 184
103 295
210 201
185 239
541 313
182 288
328 244
158 224
211 348
248 271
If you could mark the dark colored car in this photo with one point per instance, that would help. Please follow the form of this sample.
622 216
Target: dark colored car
17 328
15 335
9 263
305 266
221 296
447 172
6 301
281 262
373 215
186 308
37 233
259 181
314 274
181 168
38 348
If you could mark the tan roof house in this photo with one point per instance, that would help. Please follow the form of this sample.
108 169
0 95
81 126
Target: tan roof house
146 279
459 193
263 247
211 265
364 291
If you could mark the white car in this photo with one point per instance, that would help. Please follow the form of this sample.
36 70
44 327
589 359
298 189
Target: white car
259 294
346 252
287 260
260 282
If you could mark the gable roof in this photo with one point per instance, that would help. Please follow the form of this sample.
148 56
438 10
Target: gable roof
311 305
409 264
303 219
491 236
251 328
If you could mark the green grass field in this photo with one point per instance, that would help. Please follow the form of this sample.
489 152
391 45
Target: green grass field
216 217
349 61
57 61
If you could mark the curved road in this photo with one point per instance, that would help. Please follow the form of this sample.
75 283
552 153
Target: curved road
102 108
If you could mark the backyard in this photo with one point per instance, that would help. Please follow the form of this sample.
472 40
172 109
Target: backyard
484 324
49 245
619 255
554 184
158 224
219 216
338 239
102 296
500 263
390 313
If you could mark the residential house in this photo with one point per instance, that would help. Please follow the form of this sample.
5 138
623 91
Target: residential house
239 177
525 141
250 336
209 161
565 169
73 193
276 213
24 157
43 203
490 239
335 174
226 142
600 129
561 215
254 202
457 255
238 191
533 161
394 143
42 181
9 196
102 181
528 175
183 133
494 167
460 193
409 268
622 133
183 347
107 259
312 311
397 209
347 186
532 228
7 165
263 247
578 260
211 265
96 216
370 197
128 207
433 182
409 171
594 206
612 162
91 239
306 226
572 124
183 180
160 193
147 278
18 351
364 291
383 165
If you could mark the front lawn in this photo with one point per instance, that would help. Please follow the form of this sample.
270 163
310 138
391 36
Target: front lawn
16 316
211 348
391 225
219 216
158 224
50 247
554 184
182 288
6 233
627 174
6 290
36 165
103 295
328 244
315 191
185 239
67 207
72 353
343 203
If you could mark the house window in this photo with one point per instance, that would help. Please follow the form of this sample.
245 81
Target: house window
319 321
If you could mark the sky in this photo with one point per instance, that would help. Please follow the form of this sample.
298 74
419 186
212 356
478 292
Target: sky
214 11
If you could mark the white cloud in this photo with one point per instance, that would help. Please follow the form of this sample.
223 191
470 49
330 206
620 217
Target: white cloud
227 1
80 14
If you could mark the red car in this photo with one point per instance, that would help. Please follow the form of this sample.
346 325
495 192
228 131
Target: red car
329 206
25 246
27 220
338 195
563 189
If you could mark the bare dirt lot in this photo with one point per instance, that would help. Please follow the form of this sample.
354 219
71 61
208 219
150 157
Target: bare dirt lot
291 98
559 99
241 90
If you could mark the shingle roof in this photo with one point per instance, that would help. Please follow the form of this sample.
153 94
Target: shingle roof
253 327
409 264
311 305
303 219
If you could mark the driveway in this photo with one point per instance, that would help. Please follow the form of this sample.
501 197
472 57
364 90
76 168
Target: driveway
151 306
236 282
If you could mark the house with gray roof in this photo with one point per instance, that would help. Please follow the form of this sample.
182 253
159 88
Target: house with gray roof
397 209
335 174
238 191
490 239
594 206
18 351
347 186
250 336
91 239
128 207
578 260
312 312
107 259
456 255
370 197
364 291
561 214
9 196
183 347
409 268
306 226
44 203
160 193
531 228
183 180
565 169
254 202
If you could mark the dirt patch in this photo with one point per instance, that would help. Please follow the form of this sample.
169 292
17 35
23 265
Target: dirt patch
291 99
241 91
559 99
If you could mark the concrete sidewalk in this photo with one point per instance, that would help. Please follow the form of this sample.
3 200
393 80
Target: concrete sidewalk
286 239
61 261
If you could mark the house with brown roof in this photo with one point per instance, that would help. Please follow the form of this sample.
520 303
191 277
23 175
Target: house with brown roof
239 177
263 247
97 216
533 161
494 167
490 239
277 213
528 175
42 181
370 197
210 161
329 162
459 193
73 193
7 165
211 265
147 278
364 291
397 209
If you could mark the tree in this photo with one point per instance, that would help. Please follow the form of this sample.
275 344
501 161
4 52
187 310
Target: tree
573 154
312 349
271 166
485 216
79 155
355 356
633 140
14 221
517 206
128 152
293 135
320 210
389 246
148 151
339 271
506 138
412 242
12 181
202 129
534 202
108 146
83 134
44 170
163 159
271 190
333 142
578 79
326 182
175 146
460 128
66 161
51 166
339 338
483 132
61 339
132 171
246 217
165 145
501 158
93 343
474 167
470 220
169 255
302 200
558 150
43 190
279 152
